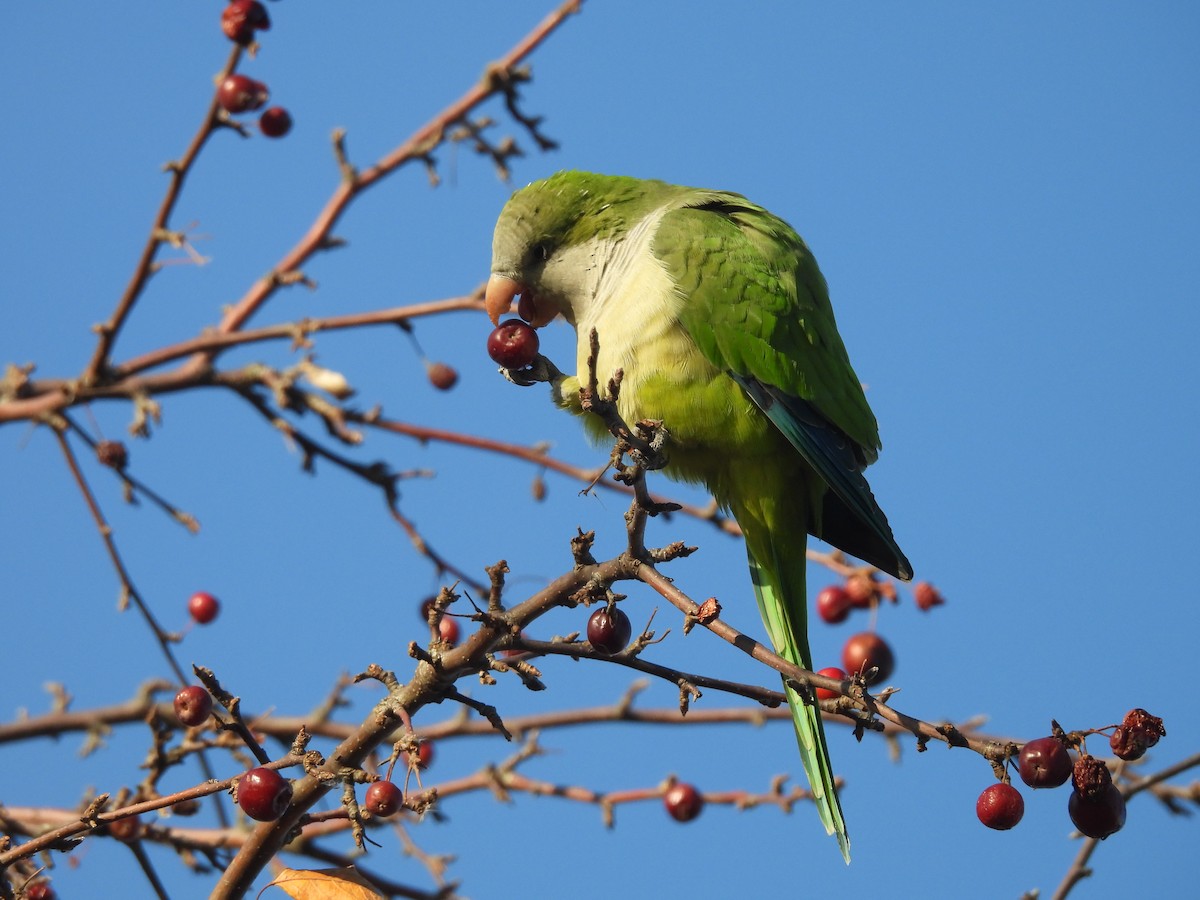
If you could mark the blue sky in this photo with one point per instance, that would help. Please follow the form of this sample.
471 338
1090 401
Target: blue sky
1004 203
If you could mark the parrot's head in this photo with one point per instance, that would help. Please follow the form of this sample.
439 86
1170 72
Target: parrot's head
548 239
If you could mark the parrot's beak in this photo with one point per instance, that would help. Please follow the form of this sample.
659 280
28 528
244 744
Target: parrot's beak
498 297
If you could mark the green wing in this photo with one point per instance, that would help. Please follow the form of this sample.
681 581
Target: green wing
758 308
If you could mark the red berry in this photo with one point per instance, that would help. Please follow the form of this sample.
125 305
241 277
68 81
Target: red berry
833 604
275 122
1000 806
1138 733
193 706
203 607
829 672
40 890
241 18
927 596
1100 815
264 794
1044 763
867 650
127 829
424 755
683 802
513 344
383 798
609 632
448 629
238 94
441 376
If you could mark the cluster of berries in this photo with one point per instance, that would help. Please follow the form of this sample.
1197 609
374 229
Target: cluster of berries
238 93
1096 805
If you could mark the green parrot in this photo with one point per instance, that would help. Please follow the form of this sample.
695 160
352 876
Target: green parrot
717 314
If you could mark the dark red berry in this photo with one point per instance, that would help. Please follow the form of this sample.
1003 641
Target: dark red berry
112 454
867 650
513 344
683 802
383 798
441 376
448 630
237 94
829 672
609 632
1100 815
40 890
1044 763
1138 733
193 706
833 604
275 122
264 794
424 755
128 829
203 607
241 18
927 596
1000 806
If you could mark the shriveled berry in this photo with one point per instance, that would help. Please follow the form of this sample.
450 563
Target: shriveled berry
1100 815
441 376
865 651
203 607
862 590
1136 734
1000 806
128 829
448 630
426 605
275 122
829 672
927 596
683 802
237 94
1044 763
241 18
833 604
264 794
1090 776
513 344
383 798
112 454
193 706
607 631
40 890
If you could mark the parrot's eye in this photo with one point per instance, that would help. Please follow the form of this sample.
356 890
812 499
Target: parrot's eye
539 252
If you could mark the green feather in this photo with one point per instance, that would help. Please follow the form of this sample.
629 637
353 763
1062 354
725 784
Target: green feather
786 625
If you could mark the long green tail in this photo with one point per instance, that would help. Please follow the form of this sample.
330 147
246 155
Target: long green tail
779 586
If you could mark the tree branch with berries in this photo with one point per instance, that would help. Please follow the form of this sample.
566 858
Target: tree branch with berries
324 787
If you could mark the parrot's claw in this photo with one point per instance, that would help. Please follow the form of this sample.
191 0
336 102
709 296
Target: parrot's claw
539 371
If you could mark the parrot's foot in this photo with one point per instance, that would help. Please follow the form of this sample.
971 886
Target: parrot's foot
539 371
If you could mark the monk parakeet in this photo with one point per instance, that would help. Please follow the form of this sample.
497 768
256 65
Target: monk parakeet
717 314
